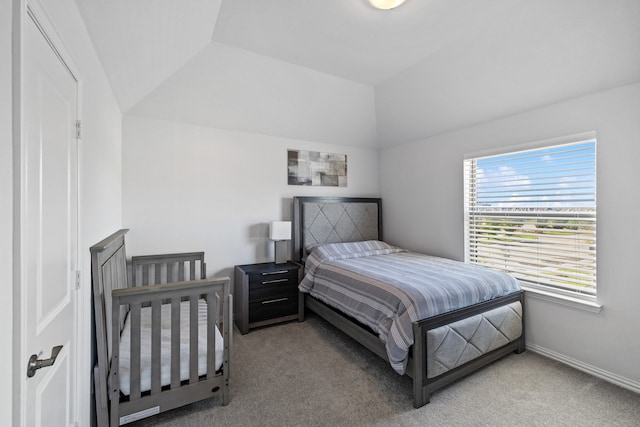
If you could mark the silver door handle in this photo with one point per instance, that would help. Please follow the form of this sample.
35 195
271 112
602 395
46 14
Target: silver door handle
35 363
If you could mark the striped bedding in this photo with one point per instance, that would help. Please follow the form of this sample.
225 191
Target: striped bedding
388 288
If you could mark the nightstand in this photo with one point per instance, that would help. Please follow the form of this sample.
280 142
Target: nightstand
266 293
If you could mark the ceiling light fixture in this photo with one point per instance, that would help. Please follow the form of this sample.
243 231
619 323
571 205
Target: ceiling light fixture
386 4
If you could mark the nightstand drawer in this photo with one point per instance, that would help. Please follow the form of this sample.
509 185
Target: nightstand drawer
273 291
272 278
273 307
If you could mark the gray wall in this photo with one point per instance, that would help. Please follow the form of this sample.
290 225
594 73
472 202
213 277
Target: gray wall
422 188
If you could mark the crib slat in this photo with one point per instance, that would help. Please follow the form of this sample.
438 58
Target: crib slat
135 351
113 383
212 318
119 281
175 343
107 274
158 272
156 308
145 275
180 271
227 325
170 272
193 339
135 270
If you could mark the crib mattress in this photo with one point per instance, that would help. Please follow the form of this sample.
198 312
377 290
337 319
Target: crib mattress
165 350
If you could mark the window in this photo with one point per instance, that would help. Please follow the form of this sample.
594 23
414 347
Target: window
532 214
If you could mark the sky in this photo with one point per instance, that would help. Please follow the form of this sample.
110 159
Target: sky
555 177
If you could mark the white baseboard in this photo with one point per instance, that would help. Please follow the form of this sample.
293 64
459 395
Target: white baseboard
589 369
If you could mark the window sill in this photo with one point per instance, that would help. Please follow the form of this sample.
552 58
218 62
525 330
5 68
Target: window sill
589 304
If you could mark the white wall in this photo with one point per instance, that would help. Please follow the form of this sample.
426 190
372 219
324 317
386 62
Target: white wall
6 210
191 188
100 160
550 51
224 87
422 186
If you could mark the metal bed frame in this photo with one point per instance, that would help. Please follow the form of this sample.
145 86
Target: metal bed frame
423 385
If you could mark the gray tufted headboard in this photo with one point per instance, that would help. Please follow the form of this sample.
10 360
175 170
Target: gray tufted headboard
319 220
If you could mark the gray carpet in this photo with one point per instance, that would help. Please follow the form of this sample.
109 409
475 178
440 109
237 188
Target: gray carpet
310 374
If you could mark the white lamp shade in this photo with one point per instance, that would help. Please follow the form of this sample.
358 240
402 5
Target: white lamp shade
280 230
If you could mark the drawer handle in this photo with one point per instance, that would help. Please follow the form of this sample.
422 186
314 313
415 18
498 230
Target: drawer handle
268 282
269 273
271 301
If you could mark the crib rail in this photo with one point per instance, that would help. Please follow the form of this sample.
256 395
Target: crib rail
213 292
165 285
158 269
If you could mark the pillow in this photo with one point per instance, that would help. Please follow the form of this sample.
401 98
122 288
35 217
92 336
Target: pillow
344 250
336 251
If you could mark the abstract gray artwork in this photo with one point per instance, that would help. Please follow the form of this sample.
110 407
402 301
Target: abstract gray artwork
315 168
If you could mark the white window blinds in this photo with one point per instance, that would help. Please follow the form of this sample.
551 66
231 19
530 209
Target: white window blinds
533 214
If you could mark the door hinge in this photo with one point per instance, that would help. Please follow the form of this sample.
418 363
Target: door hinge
78 129
78 278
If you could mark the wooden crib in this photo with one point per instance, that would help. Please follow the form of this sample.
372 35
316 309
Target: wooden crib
159 357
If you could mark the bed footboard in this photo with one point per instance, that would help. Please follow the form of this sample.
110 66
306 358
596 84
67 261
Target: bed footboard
428 335
452 345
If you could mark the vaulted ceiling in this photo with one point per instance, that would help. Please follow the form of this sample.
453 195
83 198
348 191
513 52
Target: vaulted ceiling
157 49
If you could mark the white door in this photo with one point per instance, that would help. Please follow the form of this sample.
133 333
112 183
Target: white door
49 201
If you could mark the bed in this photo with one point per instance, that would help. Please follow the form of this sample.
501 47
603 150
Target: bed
162 332
433 319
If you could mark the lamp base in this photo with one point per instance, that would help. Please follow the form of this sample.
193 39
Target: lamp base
281 255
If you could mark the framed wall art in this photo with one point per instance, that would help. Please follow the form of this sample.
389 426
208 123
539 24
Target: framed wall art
315 168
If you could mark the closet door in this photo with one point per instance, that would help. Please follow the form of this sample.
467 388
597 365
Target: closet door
49 232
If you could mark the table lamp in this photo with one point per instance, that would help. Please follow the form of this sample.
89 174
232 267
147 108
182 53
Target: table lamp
280 232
